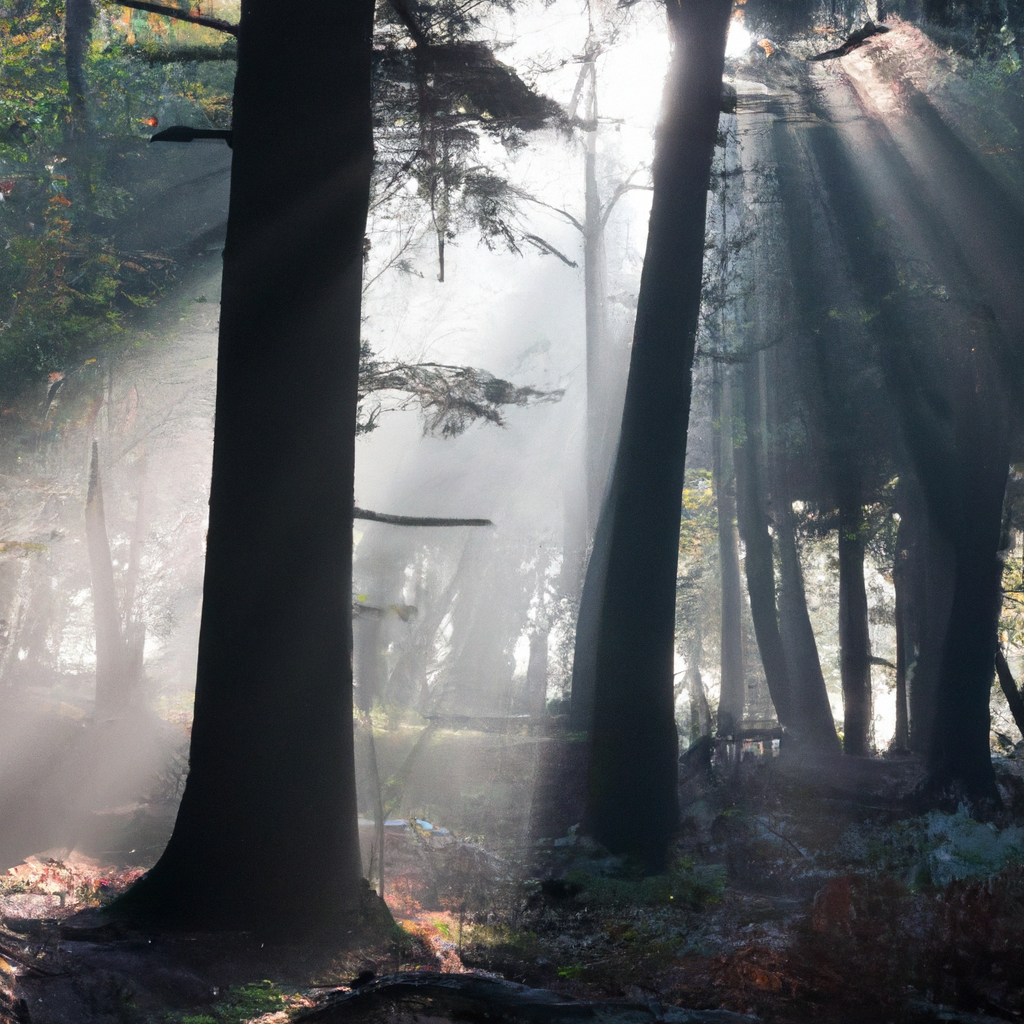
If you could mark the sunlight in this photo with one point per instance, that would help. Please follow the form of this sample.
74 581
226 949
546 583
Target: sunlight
739 39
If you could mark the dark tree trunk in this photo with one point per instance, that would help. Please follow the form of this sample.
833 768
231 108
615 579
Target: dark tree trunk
78 19
854 638
628 644
925 591
759 562
813 726
1010 690
901 734
595 287
111 675
730 704
959 752
272 778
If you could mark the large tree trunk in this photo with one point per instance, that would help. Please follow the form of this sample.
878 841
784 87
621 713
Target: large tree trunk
272 778
959 752
627 642
854 638
731 700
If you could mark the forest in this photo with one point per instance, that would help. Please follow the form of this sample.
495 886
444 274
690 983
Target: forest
511 510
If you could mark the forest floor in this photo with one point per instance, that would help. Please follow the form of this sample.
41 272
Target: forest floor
794 895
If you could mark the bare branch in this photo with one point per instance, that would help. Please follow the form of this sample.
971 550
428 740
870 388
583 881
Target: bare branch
384 517
549 248
620 191
547 206
175 12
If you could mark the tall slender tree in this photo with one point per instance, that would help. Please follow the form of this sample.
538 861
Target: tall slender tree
625 636
272 775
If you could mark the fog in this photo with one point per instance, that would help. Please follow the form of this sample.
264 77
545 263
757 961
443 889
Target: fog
469 630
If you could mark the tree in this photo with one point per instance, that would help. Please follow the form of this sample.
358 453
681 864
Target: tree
272 772
730 703
625 635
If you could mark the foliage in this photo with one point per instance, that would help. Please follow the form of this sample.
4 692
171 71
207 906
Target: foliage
67 284
240 1003
450 398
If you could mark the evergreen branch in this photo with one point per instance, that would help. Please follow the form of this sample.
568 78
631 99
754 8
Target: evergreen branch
408 19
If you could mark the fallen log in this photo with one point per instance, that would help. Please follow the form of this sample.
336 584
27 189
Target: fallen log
475 997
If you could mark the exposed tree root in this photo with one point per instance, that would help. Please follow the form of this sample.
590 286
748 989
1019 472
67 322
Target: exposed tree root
476 998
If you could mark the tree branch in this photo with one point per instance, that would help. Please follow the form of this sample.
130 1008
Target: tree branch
549 248
175 12
408 19
384 517
619 192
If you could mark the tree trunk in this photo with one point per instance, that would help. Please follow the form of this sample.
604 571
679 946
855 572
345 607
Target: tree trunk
632 805
78 19
759 562
813 725
730 703
854 638
901 734
1010 690
537 670
111 675
272 778
595 288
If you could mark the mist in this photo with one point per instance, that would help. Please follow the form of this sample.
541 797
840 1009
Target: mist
848 563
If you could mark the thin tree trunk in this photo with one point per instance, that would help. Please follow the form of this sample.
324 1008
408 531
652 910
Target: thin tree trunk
632 804
731 701
813 725
759 562
854 638
78 19
376 866
272 778
1009 687
111 689
901 734
537 670
595 287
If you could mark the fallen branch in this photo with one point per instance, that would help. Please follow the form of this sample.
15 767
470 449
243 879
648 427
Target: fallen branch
175 12
474 997
384 517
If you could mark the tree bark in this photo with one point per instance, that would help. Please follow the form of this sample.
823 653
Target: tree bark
731 700
854 638
759 562
272 779
632 806
78 19
813 726
1009 687
594 287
